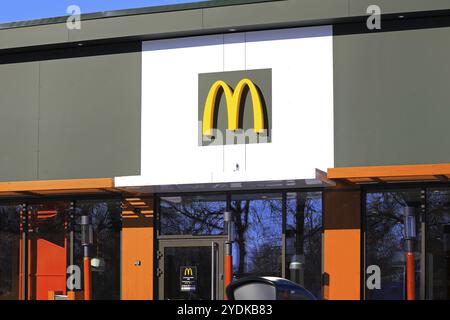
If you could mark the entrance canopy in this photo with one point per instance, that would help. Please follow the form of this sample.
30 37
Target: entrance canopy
319 181
106 186
386 174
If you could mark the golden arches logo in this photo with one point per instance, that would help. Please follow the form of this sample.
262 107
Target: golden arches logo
188 272
233 100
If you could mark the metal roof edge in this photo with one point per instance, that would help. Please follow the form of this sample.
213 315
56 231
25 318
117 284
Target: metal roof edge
131 12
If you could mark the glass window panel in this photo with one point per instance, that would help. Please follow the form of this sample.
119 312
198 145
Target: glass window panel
385 244
258 231
192 215
304 239
438 244
106 221
9 251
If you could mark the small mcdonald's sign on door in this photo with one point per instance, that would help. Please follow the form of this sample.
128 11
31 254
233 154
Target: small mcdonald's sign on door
188 279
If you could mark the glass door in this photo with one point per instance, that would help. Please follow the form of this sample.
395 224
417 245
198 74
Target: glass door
191 269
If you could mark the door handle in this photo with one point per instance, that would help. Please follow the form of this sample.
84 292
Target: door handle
213 270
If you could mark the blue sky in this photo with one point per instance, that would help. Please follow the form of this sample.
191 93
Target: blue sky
20 10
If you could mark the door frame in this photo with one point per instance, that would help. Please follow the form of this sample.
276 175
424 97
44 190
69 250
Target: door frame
188 242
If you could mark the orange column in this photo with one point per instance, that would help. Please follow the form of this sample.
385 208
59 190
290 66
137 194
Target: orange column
342 264
137 265
342 249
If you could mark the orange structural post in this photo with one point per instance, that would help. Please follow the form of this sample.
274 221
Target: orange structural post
410 277
410 236
228 270
228 218
87 239
87 278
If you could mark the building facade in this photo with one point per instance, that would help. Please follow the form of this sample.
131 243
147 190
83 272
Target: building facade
135 148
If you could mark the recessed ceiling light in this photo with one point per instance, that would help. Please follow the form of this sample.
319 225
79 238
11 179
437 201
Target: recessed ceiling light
232 30
401 16
80 44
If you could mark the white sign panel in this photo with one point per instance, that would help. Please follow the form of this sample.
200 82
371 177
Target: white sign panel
301 64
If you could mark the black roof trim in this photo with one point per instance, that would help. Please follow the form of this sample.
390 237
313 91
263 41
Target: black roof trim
130 12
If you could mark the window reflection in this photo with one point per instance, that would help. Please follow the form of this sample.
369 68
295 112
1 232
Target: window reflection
438 244
304 239
385 241
105 217
9 251
258 247
258 231
47 221
192 215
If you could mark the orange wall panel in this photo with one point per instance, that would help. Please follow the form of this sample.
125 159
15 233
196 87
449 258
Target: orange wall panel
47 269
137 252
137 281
342 263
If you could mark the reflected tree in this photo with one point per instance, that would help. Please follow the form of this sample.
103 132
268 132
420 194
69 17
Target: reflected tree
191 217
105 218
438 243
303 239
385 239
258 227
241 210
9 250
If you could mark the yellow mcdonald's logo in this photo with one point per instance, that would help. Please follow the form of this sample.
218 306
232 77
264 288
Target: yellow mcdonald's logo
233 100
188 272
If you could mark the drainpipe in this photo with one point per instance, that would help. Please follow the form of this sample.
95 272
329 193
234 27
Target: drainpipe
410 235
228 248
86 242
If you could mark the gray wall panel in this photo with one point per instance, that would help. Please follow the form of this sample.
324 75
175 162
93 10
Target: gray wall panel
359 7
90 117
275 12
392 98
138 25
33 36
19 98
